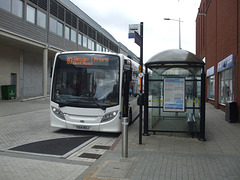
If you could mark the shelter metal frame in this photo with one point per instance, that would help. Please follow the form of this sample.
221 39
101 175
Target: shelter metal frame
175 59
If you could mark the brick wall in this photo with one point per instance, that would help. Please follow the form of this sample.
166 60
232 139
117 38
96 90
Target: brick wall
218 36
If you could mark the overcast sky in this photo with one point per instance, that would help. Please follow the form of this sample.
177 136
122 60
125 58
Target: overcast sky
158 34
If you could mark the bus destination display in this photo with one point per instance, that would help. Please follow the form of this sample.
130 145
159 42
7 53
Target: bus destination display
88 61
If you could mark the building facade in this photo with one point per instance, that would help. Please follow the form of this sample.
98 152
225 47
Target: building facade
33 31
218 44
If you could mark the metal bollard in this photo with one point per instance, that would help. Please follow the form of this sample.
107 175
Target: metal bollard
125 137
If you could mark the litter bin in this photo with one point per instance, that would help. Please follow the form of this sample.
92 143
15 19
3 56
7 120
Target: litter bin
8 91
231 114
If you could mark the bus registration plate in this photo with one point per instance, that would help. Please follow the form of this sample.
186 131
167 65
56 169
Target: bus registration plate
84 127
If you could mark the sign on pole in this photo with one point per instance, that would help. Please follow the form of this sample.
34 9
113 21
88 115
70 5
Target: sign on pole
132 29
138 39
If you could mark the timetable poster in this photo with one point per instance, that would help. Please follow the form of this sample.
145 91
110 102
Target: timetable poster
174 94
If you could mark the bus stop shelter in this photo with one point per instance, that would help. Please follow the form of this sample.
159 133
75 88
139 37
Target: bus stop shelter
174 98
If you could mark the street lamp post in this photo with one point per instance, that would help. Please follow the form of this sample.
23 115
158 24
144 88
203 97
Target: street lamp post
179 21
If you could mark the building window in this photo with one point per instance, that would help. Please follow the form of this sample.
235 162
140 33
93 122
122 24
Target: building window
211 87
60 29
5 4
17 8
80 39
89 43
84 41
73 35
31 14
99 47
226 86
13 79
67 33
13 6
56 27
53 25
93 45
41 19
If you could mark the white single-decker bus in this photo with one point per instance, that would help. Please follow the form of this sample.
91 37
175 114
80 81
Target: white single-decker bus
87 91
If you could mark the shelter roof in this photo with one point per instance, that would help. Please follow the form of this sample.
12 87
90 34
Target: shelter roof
174 56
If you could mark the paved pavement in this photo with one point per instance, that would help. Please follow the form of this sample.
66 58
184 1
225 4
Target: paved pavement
161 155
23 122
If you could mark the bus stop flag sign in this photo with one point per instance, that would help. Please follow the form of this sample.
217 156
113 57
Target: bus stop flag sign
138 39
132 29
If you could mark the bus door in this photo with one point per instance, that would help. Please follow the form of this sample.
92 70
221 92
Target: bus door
126 81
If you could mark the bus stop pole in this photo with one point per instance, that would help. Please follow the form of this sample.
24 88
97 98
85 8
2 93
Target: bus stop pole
126 76
202 113
125 137
141 64
145 129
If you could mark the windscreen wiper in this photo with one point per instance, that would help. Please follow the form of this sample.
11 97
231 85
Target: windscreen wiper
92 100
87 99
69 103
102 107
60 104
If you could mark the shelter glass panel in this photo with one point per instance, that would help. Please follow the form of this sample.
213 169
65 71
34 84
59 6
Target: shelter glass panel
173 121
183 121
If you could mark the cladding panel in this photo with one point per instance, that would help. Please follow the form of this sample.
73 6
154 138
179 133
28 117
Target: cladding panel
16 25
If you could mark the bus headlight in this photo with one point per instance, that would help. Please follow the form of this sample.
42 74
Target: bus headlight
58 113
109 116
